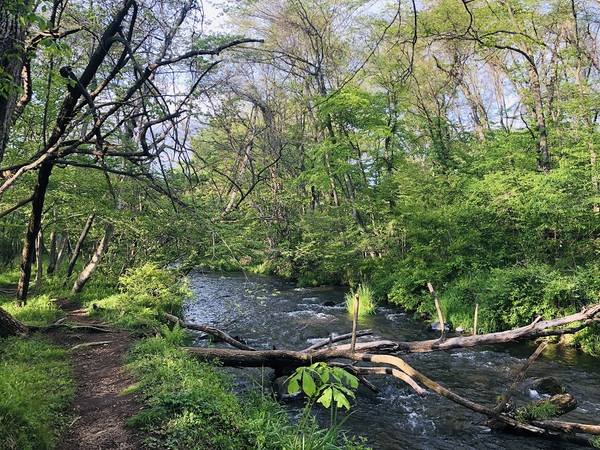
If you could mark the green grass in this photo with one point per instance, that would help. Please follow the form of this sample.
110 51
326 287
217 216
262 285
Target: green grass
35 386
146 294
366 304
39 311
190 405
536 411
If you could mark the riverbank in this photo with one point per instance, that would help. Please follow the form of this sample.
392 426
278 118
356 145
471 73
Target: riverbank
129 384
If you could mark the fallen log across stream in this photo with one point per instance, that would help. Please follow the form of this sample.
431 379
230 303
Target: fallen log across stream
382 358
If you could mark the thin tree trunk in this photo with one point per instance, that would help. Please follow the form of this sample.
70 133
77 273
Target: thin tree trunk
39 247
63 248
51 254
52 246
35 221
87 272
540 119
77 250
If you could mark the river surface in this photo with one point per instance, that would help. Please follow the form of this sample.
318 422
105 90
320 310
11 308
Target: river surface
270 313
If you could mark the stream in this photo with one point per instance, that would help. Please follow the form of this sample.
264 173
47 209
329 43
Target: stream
268 313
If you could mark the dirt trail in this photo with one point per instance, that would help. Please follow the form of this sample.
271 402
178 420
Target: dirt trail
99 411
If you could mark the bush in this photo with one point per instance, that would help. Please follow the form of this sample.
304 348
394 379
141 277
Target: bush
508 297
589 340
147 293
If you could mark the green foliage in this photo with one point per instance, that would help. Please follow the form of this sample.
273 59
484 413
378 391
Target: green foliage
536 411
366 303
147 293
330 386
35 389
589 340
190 405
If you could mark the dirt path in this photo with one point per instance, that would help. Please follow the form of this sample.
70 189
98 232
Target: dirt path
100 410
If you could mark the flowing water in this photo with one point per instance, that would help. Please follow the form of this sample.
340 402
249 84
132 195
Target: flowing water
270 313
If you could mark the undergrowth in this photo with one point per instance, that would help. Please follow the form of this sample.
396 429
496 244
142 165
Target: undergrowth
35 386
366 303
145 295
190 405
38 311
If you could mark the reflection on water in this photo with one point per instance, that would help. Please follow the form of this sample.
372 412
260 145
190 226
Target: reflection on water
271 313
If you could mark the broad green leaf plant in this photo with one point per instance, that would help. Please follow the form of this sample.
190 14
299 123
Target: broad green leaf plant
330 386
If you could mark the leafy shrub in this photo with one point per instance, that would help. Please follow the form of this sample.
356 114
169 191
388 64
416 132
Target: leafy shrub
146 294
152 287
589 340
330 386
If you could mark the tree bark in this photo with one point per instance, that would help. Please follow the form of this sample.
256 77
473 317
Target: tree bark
88 271
12 57
9 326
39 250
84 233
63 248
52 253
35 222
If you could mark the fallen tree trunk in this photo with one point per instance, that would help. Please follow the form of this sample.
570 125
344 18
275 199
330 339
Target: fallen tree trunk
537 329
384 353
400 370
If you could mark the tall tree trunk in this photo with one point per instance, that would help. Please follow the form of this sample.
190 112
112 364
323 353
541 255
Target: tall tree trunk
39 247
540 119
87 272
77 250
63 248
12 57
9 326
62 123
35 221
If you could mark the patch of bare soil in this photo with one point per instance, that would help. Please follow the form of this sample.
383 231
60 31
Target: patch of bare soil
100 410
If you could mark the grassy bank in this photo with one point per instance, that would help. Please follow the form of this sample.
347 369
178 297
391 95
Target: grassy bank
188 404
36 386
36 380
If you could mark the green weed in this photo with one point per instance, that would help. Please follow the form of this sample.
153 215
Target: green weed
35 386
536 411
38 311
366 304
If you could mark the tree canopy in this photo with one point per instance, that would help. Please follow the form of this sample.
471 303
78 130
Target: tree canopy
340 141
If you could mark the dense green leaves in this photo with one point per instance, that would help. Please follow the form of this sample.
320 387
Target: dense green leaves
353 147
330 386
